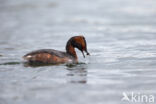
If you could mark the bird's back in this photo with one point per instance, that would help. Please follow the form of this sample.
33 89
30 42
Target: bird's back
47 56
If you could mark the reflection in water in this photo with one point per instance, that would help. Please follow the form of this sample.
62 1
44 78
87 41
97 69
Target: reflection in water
10 63
77 73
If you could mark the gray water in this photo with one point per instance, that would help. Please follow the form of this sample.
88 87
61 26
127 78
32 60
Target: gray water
121 38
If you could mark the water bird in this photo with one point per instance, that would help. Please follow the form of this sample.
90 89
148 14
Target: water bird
51 56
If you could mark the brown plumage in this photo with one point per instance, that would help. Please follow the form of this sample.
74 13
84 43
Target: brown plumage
50 56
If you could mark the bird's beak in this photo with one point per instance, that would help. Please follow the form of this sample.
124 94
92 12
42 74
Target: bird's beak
83 54
86 53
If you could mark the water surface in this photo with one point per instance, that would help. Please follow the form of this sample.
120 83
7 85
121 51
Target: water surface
121 37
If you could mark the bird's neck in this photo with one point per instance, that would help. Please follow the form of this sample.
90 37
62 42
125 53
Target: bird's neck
71 50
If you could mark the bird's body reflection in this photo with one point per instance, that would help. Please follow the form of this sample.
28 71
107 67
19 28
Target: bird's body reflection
77 74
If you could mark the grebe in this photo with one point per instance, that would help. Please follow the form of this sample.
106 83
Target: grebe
51 56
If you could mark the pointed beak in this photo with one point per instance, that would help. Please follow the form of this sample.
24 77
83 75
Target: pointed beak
83 54
86 53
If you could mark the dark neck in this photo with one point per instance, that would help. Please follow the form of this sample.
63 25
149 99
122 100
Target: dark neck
70 49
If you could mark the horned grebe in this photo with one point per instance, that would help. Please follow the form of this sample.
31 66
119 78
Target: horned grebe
51 56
